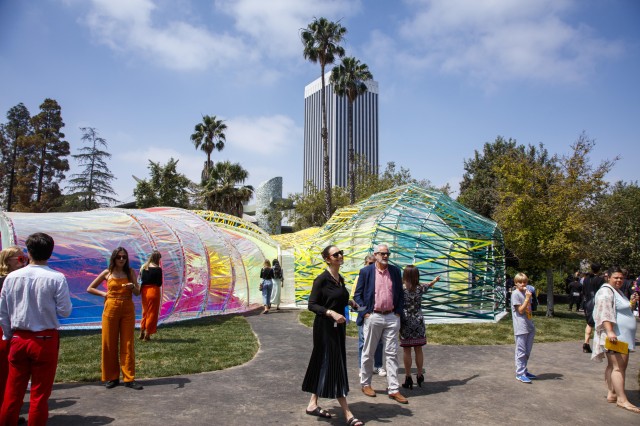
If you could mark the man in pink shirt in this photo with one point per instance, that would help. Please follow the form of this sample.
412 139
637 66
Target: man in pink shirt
380 297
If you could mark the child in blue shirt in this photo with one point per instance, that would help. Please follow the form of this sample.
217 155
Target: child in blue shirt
523 328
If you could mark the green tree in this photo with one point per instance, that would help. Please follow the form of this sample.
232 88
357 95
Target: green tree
207 136
349 79
309 209
166 187
17 128
223 191
52 153
92 187
321 40
614 236
543 205
478 189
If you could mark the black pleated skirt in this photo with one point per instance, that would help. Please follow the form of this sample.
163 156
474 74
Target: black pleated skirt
327 371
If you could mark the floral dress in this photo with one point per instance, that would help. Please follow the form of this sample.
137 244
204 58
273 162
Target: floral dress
412 328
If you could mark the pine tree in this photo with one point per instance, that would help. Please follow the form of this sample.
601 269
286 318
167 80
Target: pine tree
51 159
92 187
14 131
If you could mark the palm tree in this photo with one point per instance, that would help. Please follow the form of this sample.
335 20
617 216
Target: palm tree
207 136
349 80
321 41
222 191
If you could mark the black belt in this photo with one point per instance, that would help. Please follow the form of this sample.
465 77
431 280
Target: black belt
382 312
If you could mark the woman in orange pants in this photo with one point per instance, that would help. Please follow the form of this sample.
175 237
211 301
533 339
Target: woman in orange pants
151 279
118 320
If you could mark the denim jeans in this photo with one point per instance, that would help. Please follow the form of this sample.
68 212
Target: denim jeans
267 286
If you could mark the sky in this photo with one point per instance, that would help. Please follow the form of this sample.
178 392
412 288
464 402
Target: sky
452 74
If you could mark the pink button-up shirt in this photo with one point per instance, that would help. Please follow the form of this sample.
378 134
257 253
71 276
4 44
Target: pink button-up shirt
384 291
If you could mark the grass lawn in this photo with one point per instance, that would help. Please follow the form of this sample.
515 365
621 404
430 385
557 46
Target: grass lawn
195 346
564 326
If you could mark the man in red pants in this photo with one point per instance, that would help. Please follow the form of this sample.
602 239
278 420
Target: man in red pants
31 301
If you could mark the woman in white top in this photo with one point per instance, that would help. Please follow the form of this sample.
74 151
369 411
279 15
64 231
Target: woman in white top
613 315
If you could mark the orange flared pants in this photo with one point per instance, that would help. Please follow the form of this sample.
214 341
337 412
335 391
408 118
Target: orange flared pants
151 295
118 322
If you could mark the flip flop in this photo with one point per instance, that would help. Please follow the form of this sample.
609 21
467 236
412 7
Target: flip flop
319 412
631 408
612 400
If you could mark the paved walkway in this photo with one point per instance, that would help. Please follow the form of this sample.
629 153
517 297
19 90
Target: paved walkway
464 385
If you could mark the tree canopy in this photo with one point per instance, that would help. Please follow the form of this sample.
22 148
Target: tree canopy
165 187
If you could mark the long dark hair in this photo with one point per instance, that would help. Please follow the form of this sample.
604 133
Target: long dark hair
411 277
325 252
112 261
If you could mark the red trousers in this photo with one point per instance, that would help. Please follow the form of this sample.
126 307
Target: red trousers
4 365
31 355
151 295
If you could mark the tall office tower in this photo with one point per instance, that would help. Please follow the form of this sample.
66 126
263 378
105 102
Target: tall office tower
365 132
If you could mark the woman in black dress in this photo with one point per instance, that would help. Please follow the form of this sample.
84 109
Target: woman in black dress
326 375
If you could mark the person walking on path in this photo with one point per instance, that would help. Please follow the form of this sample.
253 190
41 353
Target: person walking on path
326 375
278 284
614 321
266 285
151 292
523 328
31 301
590 287
118 320
379 292
412 329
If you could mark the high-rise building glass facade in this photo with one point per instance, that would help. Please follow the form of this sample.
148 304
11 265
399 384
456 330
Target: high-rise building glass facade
365 132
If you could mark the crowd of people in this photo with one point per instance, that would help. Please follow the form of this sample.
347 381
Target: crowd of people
388 302
32 299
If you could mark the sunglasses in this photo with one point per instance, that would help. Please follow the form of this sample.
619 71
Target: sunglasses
384 253
21 259
337 254
121 257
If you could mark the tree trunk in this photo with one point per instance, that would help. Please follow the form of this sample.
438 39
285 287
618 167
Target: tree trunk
352 172
41 171
325 151
549 292
12 175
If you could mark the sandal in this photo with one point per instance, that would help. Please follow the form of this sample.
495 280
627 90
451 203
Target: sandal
612 400
630 407
319 412
354 422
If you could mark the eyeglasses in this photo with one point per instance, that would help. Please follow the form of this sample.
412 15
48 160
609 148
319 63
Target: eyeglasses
121 257
21 259
384 253
337 254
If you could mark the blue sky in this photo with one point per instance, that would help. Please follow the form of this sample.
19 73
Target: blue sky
453 74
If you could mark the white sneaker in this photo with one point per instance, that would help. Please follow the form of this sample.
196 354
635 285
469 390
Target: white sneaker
382 372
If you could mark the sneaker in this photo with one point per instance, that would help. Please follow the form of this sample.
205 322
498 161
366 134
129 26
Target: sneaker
382 372
531 376
376 370
523 379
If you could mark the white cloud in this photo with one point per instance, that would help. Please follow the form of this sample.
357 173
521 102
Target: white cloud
263 135
274 25
127 25
494 41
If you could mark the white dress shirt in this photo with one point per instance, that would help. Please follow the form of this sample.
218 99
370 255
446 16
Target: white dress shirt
33 298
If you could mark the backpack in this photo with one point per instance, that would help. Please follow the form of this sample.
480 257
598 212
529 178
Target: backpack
277 272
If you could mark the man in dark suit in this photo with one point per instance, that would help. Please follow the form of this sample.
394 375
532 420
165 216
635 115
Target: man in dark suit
381 298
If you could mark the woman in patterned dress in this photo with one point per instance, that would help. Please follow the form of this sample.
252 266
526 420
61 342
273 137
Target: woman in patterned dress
412 329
